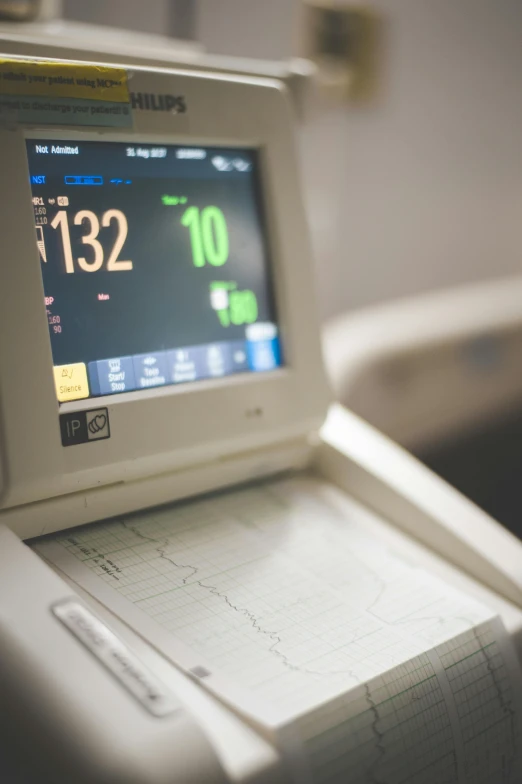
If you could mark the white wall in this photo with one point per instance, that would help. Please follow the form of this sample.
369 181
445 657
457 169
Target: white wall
249 28
150 17
430 192
164 17
422 189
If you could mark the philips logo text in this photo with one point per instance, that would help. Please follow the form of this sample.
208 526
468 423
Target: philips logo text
152 102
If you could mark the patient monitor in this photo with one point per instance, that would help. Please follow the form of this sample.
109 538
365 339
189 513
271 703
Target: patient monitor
205 573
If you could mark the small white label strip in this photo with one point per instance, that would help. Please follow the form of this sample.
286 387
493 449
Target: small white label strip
117 658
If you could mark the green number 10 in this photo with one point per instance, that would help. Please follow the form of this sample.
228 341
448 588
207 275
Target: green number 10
208 235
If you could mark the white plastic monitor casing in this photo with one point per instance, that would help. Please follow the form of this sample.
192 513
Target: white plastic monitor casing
176 441
157 432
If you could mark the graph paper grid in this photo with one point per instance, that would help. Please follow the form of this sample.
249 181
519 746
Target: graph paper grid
387 675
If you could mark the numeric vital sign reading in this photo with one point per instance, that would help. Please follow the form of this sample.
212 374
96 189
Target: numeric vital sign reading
208 235
184 230
90 238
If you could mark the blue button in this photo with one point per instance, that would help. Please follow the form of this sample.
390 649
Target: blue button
239 354
151 370
185 364
216 360
263 354
115 375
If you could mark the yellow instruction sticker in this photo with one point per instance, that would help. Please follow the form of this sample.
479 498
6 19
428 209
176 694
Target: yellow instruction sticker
35 92
63 80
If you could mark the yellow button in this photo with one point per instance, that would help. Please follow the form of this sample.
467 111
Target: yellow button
71 382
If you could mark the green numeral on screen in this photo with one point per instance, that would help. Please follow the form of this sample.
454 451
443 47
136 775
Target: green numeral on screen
243 307
215 236
208 235
192 221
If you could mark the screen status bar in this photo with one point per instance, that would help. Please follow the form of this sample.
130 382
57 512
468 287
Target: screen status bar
146 159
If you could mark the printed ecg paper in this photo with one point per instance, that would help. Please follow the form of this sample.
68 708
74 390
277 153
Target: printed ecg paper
278 599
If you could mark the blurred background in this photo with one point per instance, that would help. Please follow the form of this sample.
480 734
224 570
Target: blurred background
409 118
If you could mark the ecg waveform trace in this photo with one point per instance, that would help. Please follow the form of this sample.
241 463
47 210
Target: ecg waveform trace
383 670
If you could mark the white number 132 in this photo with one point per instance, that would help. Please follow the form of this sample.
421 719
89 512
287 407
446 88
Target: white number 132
91 238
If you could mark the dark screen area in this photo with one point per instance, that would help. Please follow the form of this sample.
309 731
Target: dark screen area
152 254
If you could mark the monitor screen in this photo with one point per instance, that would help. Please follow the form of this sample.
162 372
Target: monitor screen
154 262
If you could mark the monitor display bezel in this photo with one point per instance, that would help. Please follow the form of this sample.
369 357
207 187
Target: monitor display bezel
164 429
